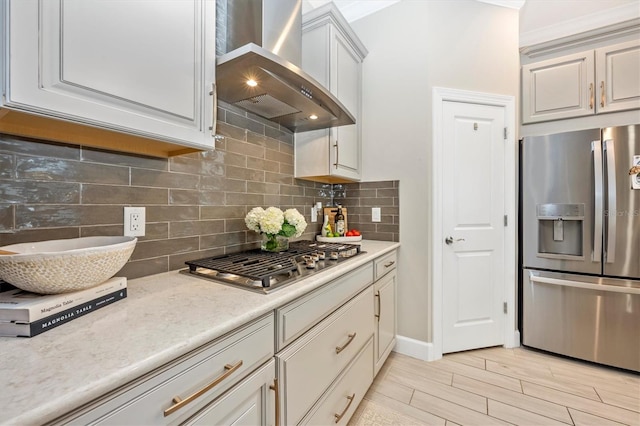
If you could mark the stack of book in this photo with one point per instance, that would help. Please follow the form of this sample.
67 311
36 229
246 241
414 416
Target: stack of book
25 314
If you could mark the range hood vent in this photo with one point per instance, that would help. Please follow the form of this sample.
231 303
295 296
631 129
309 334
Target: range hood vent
282 92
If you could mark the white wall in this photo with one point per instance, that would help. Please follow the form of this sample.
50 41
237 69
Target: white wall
413 46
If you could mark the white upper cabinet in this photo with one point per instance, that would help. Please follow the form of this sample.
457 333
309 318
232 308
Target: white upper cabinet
618 77
137 67
332 54
586 83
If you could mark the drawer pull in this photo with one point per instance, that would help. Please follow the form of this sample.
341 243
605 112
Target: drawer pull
379 306
179 403
274 387
386 265
341 415
341 348
602 94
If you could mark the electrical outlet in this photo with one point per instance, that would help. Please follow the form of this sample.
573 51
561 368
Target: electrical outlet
134 221
375 214
314 214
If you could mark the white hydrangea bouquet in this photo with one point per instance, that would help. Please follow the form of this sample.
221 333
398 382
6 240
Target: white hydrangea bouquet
275 226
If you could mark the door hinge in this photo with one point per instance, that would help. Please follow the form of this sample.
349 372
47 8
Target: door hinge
506 220
505 133
504 307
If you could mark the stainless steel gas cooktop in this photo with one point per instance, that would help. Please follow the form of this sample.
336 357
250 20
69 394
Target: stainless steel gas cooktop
264 272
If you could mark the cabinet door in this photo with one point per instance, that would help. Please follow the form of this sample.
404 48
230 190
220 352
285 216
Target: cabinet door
618 77
346 139
143 68
558 88
251 402
385 337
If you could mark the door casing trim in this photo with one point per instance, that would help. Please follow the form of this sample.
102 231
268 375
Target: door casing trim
441 95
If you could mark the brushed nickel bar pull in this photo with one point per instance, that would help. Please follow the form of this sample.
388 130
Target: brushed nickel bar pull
341 348
341 415
602 97
598 209
612 205
590 95
179 403
379 306
390 264
337 154
274 387
214 113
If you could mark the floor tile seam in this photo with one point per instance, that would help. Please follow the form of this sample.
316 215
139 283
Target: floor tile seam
409 405
451 402
535 412
595 415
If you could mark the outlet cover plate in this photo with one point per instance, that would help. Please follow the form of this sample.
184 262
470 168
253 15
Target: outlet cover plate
375 214
134 221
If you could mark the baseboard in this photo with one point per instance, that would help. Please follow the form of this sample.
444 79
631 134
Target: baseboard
516 339
414 348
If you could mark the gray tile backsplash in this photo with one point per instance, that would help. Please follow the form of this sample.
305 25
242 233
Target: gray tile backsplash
195 203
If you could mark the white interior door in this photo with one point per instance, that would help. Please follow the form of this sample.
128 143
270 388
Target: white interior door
473 208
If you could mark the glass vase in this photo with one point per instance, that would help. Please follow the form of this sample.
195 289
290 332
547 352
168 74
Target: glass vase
274 243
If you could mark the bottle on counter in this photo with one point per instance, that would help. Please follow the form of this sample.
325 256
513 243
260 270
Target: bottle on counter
326 227
340 222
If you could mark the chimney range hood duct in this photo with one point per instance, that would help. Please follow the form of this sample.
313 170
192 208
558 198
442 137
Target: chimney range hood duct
260 40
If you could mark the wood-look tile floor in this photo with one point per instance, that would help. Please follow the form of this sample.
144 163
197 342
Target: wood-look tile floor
498 386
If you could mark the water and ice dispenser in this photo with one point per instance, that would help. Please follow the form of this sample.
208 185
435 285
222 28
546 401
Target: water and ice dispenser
560 230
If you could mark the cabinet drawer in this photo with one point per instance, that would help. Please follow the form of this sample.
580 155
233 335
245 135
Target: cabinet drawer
300 315
307 367
344 396
226 361
385 264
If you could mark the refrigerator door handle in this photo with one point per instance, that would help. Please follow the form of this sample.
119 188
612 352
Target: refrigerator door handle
596 148
611 201
579 284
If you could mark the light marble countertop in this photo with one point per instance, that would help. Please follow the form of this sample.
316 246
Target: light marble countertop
163 317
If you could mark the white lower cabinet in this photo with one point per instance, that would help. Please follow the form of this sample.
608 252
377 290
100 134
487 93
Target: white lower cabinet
385 318
251 402
308 367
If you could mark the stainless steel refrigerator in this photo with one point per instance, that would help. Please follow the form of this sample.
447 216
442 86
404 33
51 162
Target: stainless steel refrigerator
581 244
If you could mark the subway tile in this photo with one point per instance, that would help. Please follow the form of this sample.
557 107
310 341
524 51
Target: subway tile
287 169
245 174
222 240
358 193
195 227
162 179
234 225
177 261
278 178
211 198
52 169
382 236
157 248
49 216
153 231
262 120
245 148
278 156
262 188
223 184
376 185
172 213
281 135
230 132
244 122
201 163
223 212
262 140
144 267
34 235
28 192
6 166
390 228
240 199
184 197
286 148
20 145
294 190
387 193
6 217
376 202
96 155
262 164
278 200
111 194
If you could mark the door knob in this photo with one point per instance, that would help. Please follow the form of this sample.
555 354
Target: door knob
450 240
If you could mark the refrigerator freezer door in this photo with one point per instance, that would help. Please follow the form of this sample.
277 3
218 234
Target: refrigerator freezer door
558 187
622 202
590 318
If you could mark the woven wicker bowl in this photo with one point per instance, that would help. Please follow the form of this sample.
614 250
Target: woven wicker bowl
60 266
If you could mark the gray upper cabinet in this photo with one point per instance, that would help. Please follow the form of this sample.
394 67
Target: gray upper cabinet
139 68
586 83
332 54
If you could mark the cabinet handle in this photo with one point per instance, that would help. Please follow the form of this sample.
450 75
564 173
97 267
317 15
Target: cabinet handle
590 95
379 306
274 387
602 97
393 262
337 154
179 403
214 113
341 348
341 415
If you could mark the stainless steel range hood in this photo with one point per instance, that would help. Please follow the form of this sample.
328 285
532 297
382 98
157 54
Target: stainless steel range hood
262 40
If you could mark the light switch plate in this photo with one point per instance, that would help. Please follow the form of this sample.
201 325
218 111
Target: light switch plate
375 214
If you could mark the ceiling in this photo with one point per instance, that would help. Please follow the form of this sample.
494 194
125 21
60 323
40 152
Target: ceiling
356 9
